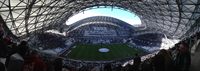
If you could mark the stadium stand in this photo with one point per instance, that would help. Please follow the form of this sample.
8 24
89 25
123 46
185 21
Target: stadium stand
148 61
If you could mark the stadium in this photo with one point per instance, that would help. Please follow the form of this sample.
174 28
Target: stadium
95 33
99 35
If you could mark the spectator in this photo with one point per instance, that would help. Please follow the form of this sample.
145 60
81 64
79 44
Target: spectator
168 60
96 68
50 66
3 50
23 49
183 58
159 61
2 67
137 61
11 50
8 40
58 64
34 63
108 67
3 46
118 68
15 62
147 65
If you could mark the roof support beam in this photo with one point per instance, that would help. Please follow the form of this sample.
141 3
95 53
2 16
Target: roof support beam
11 17
179 2
193 26
27 14
8 31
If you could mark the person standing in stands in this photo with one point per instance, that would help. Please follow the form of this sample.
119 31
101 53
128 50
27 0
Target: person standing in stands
2 67
3 50
147 65
168 60
23 49
10 47
58 64
183 58
137 61
159 61
34 62
3 46
14 61
108 67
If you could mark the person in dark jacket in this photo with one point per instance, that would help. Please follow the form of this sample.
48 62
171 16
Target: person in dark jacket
58 64
34 62
137 61
3 50
159 62
23 49
183 58
3 46
147 65
2 67
108 67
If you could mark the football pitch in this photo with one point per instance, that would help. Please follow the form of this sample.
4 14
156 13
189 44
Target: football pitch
90 52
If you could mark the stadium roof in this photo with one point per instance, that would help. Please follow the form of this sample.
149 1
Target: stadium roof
176 18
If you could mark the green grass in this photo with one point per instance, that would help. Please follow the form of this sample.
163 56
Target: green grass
90 52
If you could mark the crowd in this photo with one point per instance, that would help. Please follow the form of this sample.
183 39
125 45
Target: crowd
99 40
19 57
16 56
150 39
47 40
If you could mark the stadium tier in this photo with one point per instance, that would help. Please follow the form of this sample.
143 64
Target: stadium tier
100 29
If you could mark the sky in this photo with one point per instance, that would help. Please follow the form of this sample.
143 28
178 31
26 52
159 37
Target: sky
123 15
